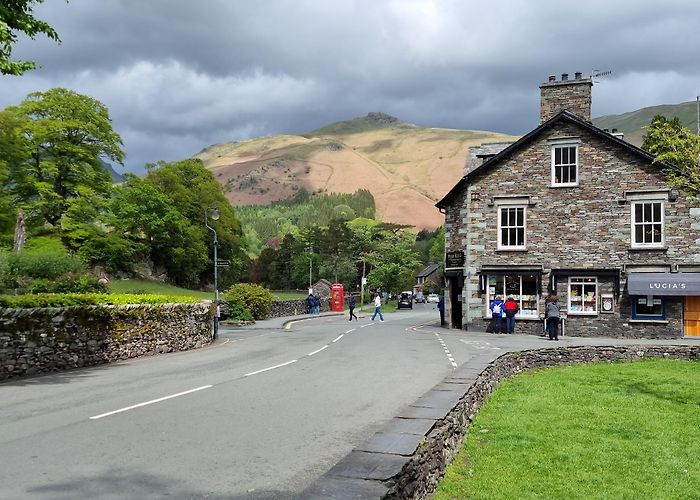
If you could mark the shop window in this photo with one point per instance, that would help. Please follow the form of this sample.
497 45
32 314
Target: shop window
564 165
649 308
583 296
511 227
647 224
523 289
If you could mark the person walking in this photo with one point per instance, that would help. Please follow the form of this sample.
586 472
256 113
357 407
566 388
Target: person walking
351 306
497 314
310 303
441 307
551 315
511 307
378 307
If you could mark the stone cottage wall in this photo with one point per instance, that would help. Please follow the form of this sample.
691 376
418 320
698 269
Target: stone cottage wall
582 227
40 340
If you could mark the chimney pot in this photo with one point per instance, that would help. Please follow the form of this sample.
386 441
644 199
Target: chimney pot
552 78
577 75
614 131
606 130
564 77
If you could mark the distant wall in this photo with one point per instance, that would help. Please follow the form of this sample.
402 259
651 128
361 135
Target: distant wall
41 340
280 308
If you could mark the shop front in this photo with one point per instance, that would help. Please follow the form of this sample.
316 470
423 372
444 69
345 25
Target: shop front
653 295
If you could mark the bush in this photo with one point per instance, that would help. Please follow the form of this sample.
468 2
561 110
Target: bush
66 284
83 299
20 269
238 311
255 298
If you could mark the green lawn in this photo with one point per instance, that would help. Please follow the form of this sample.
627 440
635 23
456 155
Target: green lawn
622 430
146 286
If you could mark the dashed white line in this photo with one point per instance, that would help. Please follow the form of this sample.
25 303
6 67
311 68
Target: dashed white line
318 350
270 368
150 402
447 351
338 338
351 330
368 324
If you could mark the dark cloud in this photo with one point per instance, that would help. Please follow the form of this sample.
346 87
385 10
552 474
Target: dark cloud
178 76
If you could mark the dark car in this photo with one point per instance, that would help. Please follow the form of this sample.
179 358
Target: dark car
406 300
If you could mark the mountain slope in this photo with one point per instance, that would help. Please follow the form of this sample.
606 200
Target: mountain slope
405 167
632 123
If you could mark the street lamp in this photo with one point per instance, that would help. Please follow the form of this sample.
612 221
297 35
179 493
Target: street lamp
311 251
214 211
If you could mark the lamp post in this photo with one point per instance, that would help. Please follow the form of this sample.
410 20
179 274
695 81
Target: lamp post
310 256
214 216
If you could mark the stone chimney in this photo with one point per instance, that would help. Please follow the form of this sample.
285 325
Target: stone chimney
570 95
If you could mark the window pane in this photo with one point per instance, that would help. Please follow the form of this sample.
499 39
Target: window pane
513 286
504 217
572 157
521 237
657 212
504 237
647 212
638 212
519 221
557 156
657 233
572 174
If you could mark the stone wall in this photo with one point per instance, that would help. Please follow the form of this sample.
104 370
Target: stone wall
40 340
420 476
280 308
570 95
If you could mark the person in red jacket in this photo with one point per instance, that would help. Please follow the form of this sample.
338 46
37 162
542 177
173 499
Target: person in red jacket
511 309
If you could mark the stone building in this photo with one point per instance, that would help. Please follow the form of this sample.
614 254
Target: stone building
573 210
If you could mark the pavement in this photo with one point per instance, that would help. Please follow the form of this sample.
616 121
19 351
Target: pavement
365 472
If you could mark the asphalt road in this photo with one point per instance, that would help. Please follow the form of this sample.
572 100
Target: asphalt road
259 414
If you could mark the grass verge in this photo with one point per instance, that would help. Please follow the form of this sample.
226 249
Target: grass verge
621 430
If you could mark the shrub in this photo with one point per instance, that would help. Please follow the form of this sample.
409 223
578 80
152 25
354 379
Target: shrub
66 284
238 311
46 263
82 299
256 298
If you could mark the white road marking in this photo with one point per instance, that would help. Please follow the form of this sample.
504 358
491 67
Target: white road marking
351 330
479 344
150 402
338 338
226 342
447 351
318 350
368 324
270 368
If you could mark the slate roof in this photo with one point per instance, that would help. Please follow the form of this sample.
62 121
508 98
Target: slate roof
429 269
530 137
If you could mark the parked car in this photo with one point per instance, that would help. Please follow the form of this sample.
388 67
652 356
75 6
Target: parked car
434 298
419 297
405 300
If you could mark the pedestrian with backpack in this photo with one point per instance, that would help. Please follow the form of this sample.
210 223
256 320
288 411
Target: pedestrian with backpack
511 308
497 314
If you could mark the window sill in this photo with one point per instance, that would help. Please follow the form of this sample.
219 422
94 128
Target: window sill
511 249
648 249
649 321
582 313
563 186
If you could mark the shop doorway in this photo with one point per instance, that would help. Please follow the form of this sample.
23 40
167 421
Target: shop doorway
455 288
691 317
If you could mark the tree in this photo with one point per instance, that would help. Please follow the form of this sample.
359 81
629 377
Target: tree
66 135
16 17
669 141
395 262
193 189
146 214
437 247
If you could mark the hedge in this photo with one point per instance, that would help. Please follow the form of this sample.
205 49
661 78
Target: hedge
81 299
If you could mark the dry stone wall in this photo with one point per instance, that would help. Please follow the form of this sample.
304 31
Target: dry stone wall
420 476
41 340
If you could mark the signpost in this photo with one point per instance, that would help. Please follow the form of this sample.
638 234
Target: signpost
223 263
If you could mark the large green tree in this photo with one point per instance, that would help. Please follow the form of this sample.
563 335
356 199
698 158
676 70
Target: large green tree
394 262
193 190
669 141
65 136
16 17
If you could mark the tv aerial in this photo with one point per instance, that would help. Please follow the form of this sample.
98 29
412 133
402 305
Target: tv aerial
596 73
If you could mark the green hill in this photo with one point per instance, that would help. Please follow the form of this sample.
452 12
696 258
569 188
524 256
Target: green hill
373 121
632 123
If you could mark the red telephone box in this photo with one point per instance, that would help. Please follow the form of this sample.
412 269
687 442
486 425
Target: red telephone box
337 297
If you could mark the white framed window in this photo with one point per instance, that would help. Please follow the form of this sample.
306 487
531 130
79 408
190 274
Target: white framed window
565 165
583 296
647 223
511 227
523 289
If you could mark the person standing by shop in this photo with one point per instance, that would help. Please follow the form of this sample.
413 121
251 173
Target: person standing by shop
552 314
511 307
378 307
497 315
441 308
351 306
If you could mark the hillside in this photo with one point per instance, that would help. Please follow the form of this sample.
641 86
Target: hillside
406 168
632 123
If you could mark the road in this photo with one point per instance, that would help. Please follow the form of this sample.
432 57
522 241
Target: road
258 414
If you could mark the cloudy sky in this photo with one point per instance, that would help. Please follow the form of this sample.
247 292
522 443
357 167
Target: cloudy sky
179 75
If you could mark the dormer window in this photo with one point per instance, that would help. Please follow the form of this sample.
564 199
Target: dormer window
565 165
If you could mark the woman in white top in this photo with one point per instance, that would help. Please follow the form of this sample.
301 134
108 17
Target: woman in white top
377 308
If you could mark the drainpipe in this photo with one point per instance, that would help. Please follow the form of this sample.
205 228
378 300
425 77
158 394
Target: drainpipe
468 281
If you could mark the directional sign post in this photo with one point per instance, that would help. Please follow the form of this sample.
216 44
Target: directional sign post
223 263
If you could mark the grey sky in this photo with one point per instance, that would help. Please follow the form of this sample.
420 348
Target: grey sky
179 75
